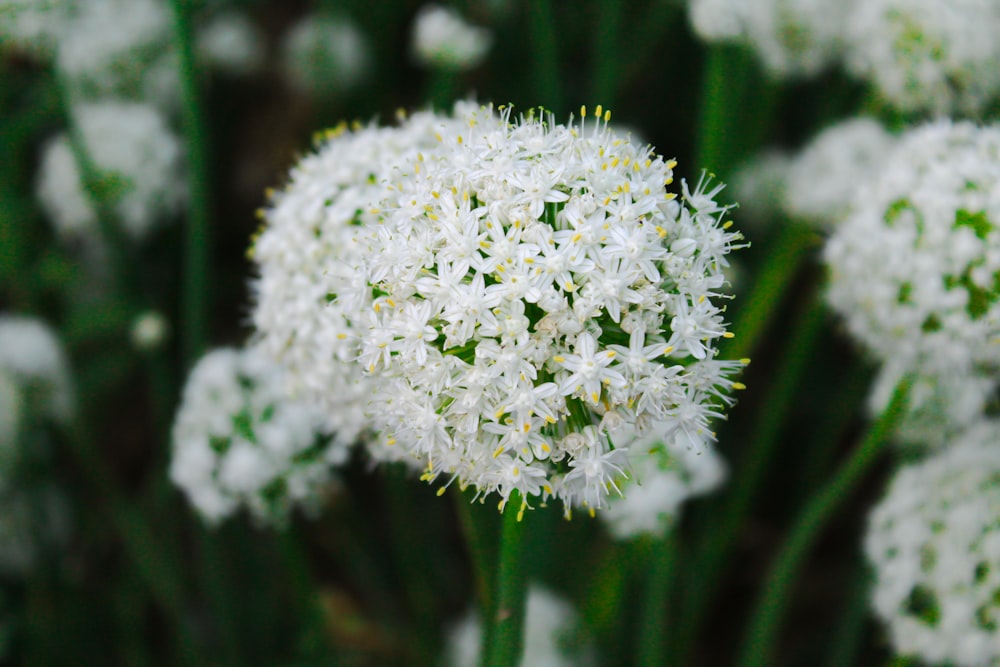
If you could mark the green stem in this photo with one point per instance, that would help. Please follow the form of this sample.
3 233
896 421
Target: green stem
726 523
545 61
776 592
480 547
784 258
655 622
607 74
505 643
442 88
849 632
651 31
195 269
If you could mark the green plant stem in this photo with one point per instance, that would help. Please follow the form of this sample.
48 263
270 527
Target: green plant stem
652 31
606 70
542 34
442 88
195 265
776 593
849 633
785 256
726 523
480 548
504 645
655 622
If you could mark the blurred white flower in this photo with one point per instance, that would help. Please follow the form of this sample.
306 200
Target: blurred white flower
230 42
32 356
11 407
913 269
326 56
661 484
149 330
759 186
824 179
549 622
32 25
442 38
934 544
239 440
139 160
933 55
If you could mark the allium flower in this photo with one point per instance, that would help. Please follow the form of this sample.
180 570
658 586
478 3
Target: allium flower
534 288
442 38
110 47
311 289
326 56
823 179
914 268
549 622
32 25
662 482
232 43
139 159
934 544
791 37
239 440
932 55
31 355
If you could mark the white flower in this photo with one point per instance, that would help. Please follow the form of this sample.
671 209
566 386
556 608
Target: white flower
935 548
932 55
139 162
791 37
549 621
32 356
823 180
660 484
231 42
913 269
149 330
11 408
238 439
113 47
33 25
583 262
441 38
325 56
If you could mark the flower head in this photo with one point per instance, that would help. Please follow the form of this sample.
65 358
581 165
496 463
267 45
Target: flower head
238 439
441 38
935 548
527 279
32 357
326 55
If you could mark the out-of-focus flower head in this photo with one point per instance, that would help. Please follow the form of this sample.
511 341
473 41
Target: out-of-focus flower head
239 440
139 160
927 55
32 25
934 544
442 38
32 357
914 268
232 43
549 622
326 56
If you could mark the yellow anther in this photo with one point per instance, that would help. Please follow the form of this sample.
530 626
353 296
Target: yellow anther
546 488
559 359
594 396
499 413
668 349
626 162
627 187
661 232
549 420
607 116
576 237
460 138
260 213
729 334
546 448
739 386
377 306
341 336
671 164
614 163
649 162
592 512
727 224
435 194
607 200
670 196
500 268
527 427
390 441
583 111
598 111
440 492
701 299
745 361
498 451
611 354
437 135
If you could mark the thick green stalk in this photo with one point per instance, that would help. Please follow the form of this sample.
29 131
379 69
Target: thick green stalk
776 593
504 645
195 265
711 558
655 622
542 33
850 630
480 549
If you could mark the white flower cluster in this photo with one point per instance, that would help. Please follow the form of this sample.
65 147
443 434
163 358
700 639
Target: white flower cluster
119 48
938 55
139 160
651 503
32 25
33 362
326 55
231 42
538 294
549 621
921 55
442 38
239 440
791 37
934 544
915 268
311 288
